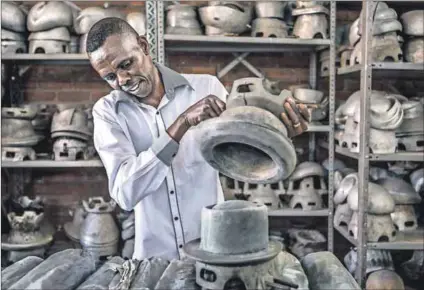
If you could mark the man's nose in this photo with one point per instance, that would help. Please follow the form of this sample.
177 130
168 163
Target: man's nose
123 78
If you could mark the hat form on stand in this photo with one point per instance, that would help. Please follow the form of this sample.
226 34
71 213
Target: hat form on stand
234 247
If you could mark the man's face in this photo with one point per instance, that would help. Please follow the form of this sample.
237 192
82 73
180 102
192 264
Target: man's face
123 61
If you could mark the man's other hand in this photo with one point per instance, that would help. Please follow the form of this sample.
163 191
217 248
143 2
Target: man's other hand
208 107
295 117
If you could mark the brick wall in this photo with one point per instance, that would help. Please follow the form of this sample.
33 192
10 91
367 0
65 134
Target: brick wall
57 84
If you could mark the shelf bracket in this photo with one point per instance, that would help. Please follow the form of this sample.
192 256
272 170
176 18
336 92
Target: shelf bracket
239 58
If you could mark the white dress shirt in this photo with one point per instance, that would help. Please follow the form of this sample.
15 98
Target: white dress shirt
166 183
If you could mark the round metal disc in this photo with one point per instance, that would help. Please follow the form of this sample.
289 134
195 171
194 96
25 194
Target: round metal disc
192 249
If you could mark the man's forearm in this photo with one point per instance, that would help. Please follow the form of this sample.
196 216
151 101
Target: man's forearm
178 128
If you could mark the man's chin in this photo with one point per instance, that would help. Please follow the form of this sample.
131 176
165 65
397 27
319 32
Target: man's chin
141 94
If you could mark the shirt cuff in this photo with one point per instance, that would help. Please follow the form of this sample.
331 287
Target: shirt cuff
165 148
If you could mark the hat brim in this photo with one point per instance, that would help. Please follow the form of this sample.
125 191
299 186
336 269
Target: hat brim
22 142
193 251
6 246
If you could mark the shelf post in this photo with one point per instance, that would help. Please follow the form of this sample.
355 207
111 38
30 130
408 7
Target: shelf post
151 33
160 19
331 110
313 84
363 160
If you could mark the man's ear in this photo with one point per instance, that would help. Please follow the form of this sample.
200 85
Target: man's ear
142 41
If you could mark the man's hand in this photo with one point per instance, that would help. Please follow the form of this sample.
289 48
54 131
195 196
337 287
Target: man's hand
295 118
207 108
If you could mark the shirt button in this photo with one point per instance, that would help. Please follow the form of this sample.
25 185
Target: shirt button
157 113
171 192
180 246
175 218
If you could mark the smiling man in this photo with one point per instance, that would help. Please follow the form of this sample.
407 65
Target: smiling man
144 133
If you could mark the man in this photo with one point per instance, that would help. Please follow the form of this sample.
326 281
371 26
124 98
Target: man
144 132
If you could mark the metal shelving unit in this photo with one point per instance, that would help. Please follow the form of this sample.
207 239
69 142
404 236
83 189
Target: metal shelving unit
18 170
367 71
241 47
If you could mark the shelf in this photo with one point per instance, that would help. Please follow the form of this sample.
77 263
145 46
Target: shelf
318 128
339 150
413 240
398 156
386 70
300 213
51 164
59 58
203 43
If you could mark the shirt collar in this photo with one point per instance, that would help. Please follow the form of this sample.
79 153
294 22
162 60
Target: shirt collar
171 81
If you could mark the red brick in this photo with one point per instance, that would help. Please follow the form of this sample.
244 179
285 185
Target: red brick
236 73
188 60
286 59
95 95
75 175
347 15
200 70
60 73
87 74
92 86
39 95
71 190
73 96
55 85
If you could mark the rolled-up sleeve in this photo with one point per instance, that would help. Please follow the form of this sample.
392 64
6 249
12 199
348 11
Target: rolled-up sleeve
131 176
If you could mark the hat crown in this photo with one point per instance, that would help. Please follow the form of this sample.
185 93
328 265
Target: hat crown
234 227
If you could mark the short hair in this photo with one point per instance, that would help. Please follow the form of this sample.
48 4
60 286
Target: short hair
104 28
